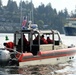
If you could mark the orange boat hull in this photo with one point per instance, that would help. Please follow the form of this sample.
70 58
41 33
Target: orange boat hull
68 53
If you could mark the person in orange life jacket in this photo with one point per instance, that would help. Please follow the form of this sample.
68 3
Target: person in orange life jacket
25 44
25 40
43 40
36 37
9 45
49 40
35 41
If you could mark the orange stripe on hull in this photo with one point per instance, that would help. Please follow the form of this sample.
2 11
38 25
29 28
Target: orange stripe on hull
47 54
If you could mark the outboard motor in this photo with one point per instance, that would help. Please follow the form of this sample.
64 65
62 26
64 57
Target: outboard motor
4 57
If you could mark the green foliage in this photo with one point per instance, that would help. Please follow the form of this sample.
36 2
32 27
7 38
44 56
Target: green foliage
42 15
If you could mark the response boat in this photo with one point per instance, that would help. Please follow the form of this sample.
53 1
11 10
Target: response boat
36 52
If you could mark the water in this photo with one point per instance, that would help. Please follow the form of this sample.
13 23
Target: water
3 38
60 69
68 40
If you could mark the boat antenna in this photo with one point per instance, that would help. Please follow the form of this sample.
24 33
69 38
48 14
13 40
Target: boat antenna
32 11
21 12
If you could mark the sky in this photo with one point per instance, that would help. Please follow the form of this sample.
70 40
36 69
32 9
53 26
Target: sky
58 4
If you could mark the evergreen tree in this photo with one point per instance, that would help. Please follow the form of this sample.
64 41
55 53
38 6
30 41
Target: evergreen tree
0 3
1 8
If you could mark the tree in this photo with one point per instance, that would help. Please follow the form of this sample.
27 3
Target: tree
66 15
1 6
1 3
12 6
40 24
73 14
15 7
9 5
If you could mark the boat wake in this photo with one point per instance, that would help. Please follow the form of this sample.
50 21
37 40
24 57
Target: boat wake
68 68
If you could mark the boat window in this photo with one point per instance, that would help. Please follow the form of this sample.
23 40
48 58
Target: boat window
35 45
26 35
56 37
35 38
50 36
18 36
73 23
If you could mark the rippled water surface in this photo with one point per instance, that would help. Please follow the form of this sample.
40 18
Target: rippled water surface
60 69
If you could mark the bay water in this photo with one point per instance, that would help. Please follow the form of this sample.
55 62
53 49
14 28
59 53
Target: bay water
69 69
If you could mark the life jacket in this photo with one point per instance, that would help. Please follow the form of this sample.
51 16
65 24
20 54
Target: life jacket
44 41
10 45
49 41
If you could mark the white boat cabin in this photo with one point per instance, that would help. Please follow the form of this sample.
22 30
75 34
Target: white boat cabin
34 46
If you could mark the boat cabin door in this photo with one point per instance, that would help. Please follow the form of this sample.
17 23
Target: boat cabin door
18 40
17 37
35 43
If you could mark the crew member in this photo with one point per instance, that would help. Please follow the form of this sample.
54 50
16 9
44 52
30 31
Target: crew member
49 40
35 41
44 41
9 46
25 44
